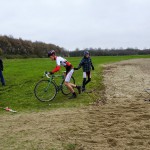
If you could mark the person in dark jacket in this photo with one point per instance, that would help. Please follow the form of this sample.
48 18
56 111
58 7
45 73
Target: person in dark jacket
87 65
1 73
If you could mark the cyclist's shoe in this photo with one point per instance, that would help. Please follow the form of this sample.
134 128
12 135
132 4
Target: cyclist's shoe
79 89
73 96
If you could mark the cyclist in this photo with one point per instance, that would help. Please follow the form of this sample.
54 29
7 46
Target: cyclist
86 64
60 61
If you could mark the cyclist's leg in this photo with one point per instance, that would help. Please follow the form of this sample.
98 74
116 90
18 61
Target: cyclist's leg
67 81
71 86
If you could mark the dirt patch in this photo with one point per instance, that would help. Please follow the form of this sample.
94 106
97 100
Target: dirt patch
123 123
127 80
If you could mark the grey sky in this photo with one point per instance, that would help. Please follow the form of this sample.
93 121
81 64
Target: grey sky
78 23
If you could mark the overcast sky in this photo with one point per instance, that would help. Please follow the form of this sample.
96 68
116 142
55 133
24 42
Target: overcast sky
78 23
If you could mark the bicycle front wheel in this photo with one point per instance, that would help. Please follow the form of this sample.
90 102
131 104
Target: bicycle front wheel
65 89
45 91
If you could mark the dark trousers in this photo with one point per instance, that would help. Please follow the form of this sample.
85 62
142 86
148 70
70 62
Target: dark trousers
88 74
2 78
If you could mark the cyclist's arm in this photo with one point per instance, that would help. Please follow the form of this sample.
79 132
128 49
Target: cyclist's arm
57 68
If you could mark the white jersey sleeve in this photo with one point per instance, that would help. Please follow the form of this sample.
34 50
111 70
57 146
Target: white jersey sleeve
60 61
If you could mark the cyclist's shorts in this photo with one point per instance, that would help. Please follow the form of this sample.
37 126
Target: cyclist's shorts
69 75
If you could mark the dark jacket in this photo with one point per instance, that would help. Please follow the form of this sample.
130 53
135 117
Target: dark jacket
86 64
1 65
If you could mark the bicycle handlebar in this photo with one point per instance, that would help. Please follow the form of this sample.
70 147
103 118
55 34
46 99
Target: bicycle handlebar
46 74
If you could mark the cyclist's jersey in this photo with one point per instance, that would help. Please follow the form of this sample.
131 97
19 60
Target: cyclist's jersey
60 61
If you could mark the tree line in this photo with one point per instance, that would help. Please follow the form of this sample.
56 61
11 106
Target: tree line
11 47
111 52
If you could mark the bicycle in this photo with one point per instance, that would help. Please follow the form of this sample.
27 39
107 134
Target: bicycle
46 89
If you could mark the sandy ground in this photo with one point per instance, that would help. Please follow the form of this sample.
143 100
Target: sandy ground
122 123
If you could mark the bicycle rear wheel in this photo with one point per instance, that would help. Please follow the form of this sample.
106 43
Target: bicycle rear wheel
45 91
65 89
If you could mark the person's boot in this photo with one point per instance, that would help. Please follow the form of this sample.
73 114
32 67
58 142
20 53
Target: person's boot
73 96
83 89
79 89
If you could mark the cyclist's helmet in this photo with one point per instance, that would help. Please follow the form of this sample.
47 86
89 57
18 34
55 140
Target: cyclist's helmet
86 52
50 53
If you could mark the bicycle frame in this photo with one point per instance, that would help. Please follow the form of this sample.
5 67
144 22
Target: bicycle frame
51 79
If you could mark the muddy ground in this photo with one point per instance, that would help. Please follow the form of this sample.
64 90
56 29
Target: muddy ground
122 123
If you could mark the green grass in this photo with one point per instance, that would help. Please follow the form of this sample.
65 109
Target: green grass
21 75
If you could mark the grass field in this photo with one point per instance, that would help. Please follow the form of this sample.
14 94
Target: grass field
21 75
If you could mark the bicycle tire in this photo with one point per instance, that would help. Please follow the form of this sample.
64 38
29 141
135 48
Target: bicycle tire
64 89
45 91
